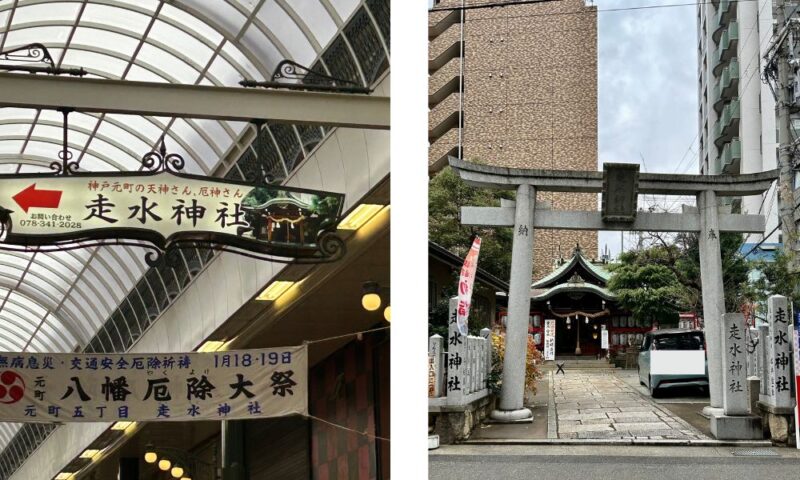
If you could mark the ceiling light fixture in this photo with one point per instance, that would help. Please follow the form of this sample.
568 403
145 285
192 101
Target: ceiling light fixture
89 453
274 290
359 216
122 425
211 346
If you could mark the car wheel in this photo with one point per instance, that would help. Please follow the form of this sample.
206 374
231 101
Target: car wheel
653 391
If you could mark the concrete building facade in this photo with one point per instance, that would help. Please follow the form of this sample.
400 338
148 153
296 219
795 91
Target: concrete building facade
737 130
529 83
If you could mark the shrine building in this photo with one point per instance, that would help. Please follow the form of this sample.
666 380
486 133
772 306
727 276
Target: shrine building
575 295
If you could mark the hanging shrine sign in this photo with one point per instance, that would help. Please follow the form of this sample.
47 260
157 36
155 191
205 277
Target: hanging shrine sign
168 209
245 384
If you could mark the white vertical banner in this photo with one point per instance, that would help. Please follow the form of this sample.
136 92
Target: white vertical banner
604 337
465 283
550 339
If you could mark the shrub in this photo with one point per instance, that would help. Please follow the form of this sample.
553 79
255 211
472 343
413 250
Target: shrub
533 360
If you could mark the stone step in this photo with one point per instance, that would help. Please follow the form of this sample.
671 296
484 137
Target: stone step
579 364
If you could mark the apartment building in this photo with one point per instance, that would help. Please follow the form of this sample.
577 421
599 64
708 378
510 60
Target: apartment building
529 83
737 130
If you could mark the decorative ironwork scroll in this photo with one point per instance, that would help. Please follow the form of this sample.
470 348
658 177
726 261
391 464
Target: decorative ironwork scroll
22 57
290 70
306 79
161 209
66 166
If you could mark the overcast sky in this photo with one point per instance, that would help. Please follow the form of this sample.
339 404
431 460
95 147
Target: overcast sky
647 89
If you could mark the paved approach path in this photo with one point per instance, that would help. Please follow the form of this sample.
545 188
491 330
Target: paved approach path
599 404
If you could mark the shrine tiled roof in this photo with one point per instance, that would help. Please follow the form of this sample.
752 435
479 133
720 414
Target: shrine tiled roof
541 294
562 272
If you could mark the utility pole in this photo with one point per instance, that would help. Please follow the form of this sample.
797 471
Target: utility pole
783 49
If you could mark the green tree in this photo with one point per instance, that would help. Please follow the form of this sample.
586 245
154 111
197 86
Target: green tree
439 313
447 193
681 255
651 292
772 278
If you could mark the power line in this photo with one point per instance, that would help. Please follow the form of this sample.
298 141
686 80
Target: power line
696 135
760 242
574 12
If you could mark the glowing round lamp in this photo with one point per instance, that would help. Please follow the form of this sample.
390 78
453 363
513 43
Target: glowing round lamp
387 313
177 471
594 335
150 457
164 464
371 301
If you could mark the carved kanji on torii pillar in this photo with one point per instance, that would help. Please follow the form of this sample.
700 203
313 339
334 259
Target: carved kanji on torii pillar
620 185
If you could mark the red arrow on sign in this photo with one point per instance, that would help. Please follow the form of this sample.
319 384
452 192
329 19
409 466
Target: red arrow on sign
32 198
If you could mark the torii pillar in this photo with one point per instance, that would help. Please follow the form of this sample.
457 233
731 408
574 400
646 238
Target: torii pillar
512 395
711 281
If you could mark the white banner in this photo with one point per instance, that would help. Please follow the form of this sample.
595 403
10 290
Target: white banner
161 206
246 384
604 338
465 284
550 339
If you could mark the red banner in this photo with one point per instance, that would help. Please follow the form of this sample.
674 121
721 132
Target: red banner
465 283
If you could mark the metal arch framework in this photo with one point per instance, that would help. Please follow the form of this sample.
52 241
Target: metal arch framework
215 103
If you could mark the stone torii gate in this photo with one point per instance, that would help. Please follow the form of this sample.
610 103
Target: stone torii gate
620 185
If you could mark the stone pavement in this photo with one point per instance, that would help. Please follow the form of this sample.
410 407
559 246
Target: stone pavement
598 404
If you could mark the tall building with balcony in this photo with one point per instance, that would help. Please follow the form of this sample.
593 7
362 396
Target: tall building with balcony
529 83
737 130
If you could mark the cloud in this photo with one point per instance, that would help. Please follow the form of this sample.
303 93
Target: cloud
647 82
647 89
